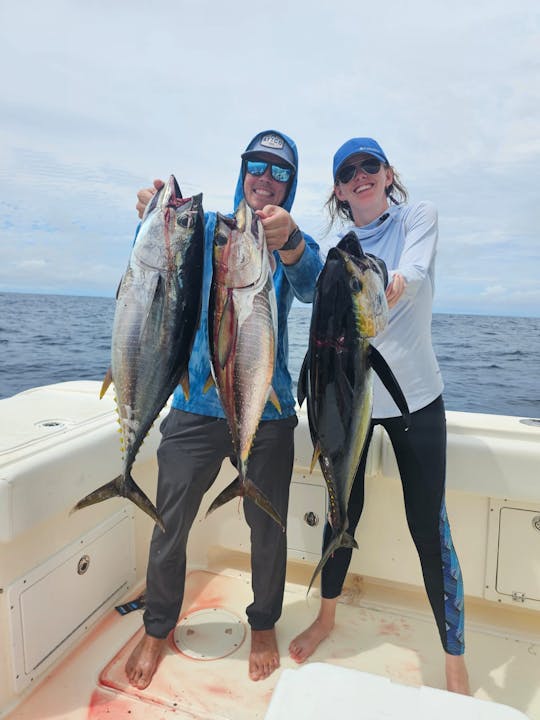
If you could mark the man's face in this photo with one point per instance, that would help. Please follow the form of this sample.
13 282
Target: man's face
261 190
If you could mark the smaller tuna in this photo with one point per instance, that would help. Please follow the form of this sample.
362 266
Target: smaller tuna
156 317
242 337
349 309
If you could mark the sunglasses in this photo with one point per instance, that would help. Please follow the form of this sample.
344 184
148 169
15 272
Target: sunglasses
348 172
279 173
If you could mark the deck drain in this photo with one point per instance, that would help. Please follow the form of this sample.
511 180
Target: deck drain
209 634
535 422
52 424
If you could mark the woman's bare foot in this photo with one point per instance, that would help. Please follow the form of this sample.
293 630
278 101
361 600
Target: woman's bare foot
264 654
457 678
143 661
305 644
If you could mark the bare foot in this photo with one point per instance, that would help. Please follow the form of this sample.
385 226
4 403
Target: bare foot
143 661
457 678
264 654
305 644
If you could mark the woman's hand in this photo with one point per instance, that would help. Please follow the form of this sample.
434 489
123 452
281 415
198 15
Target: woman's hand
395 289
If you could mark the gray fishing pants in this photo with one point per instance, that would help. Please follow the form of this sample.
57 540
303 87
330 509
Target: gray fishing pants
190 455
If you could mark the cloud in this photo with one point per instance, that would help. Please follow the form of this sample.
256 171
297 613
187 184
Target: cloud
101 98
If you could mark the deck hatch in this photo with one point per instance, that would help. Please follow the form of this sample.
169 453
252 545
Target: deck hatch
55 602
209 634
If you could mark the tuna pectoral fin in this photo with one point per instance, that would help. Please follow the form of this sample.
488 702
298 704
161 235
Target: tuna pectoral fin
301 392
118 488
342 540
107 380
379 364
228 328
245 489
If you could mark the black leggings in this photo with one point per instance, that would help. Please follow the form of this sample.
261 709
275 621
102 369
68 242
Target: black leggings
421 456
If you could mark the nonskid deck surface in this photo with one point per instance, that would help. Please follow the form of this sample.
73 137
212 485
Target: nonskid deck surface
401 645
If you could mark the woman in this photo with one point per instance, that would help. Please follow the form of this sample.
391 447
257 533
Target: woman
368 192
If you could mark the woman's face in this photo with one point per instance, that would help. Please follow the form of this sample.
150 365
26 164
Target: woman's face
365 192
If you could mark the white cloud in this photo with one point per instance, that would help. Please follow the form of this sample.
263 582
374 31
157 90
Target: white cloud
101 98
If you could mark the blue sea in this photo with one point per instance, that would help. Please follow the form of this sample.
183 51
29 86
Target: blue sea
489 364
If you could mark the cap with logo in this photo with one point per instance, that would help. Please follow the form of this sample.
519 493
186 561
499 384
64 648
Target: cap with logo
355 146
272 143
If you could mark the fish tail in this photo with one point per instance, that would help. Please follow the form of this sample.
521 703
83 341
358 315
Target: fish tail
245 489
235 489
119 488
342 540
260 499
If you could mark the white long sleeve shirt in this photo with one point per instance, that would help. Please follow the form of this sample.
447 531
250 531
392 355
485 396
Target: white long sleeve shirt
407 240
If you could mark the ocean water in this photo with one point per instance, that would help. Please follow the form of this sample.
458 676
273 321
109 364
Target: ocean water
489 364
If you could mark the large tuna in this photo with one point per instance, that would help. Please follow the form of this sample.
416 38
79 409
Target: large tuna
156 317
349 308
242 336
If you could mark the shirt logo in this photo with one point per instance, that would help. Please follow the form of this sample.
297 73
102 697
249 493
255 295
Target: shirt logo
272 141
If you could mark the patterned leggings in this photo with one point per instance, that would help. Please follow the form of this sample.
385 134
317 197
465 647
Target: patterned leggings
421 456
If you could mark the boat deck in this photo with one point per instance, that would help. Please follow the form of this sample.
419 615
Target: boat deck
203 673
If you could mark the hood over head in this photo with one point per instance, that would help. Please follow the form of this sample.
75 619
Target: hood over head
278 144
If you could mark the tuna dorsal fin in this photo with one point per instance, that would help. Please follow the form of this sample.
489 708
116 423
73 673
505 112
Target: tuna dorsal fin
227 331
184 382
381 367
107 380
274 400
208 384
315 457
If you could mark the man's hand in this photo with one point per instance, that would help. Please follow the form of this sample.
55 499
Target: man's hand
395 289
145 195
277 224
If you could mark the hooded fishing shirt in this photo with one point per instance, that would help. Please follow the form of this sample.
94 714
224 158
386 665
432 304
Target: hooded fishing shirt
290 281
405 237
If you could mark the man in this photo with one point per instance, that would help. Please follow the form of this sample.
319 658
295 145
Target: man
196 439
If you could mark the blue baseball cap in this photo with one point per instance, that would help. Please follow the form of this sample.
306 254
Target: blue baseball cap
354 146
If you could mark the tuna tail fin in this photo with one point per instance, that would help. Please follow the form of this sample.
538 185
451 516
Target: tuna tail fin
245 489
342 540
119 488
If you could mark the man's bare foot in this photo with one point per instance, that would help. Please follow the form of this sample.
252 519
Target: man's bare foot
457 678
305 644
143 661
264 654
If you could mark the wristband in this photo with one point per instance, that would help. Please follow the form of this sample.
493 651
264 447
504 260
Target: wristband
293 241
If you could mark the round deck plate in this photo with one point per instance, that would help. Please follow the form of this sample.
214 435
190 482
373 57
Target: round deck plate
209 634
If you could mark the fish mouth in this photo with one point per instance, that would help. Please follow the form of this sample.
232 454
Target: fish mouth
172 196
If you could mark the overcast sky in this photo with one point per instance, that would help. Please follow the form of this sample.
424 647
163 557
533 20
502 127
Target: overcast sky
98 98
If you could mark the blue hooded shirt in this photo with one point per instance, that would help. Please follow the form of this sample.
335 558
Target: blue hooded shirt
290 281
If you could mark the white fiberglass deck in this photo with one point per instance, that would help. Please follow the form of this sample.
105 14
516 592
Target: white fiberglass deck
384 635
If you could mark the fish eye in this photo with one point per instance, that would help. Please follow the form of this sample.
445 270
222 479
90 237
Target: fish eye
356 285
221 239
185 220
